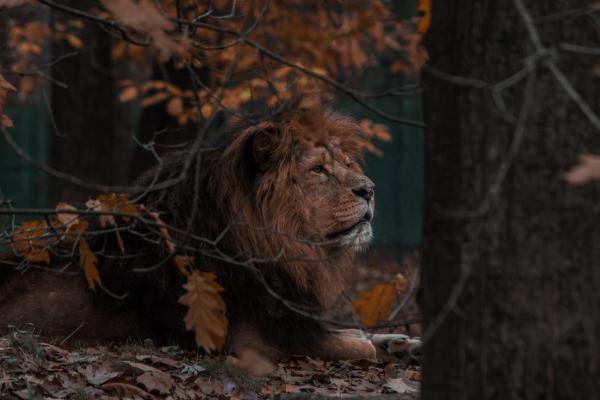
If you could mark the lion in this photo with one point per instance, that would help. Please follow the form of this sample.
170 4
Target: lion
277 208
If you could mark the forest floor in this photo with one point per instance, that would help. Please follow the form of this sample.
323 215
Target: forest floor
33 369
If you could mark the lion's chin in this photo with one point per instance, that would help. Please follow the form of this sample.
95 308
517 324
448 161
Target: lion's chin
358 238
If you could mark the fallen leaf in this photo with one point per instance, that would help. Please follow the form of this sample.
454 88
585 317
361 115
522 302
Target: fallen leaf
98 376
375 305
126 389
156 382
206 313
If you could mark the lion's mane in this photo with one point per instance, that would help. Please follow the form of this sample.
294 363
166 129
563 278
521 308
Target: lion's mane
237 207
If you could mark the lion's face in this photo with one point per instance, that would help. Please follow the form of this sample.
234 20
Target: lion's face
338 198
295 189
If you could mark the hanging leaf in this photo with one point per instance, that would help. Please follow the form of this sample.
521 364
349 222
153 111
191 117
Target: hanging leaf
424 10
88 262
375 305
5 87
67 220
31 241
206 314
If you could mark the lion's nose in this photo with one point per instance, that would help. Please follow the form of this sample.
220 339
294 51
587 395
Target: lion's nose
366 192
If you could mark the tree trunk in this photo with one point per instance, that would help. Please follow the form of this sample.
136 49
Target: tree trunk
83 141
510 280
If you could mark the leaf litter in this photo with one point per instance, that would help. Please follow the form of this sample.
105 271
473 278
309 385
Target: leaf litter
31 369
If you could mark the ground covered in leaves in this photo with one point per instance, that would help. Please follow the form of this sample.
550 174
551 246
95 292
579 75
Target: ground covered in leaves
30 369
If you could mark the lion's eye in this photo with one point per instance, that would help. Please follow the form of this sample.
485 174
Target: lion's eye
319 169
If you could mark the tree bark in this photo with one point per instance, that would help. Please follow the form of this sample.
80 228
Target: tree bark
510 263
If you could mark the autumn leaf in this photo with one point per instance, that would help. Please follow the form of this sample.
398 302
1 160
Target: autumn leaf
5 87
128 94
424 10
88 262
31 241
588 170
145 17
375 305
74 41
184 263
67 220
175 106
206 314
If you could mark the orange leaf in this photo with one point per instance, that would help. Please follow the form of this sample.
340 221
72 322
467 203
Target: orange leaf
31 240
206 313
175 106
155 99
128 94
74 41
183 263
375 305
424 10
88 262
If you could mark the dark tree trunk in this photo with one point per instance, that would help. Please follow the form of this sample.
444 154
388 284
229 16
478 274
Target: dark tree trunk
85 144
522 262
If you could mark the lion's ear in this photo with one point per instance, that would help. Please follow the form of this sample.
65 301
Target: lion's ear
265 141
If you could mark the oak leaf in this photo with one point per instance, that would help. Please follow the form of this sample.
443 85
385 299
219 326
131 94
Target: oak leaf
206 313
88 262
375 305
31 241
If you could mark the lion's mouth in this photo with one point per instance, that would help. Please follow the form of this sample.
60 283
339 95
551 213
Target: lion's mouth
365 219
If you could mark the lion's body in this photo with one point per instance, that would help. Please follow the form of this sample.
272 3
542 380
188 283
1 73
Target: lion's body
279 233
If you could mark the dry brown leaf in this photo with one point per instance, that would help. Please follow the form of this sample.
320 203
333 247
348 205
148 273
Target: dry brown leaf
5 87
68 221
375 305
206 313
588 170
126 390
156 382
88 262
184 263
164 232
31 240
144 16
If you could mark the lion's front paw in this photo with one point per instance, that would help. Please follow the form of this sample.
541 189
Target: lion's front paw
396 347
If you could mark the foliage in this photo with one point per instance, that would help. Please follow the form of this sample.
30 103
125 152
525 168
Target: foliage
235 53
